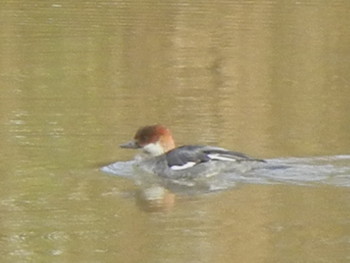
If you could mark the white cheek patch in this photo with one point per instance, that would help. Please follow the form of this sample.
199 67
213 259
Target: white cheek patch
182 167
154 149
219 157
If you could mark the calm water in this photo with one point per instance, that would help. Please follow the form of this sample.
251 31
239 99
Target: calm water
269 78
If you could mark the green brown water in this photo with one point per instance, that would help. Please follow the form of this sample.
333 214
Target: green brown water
269 78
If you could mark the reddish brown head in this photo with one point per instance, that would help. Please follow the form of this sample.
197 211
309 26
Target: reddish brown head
155 140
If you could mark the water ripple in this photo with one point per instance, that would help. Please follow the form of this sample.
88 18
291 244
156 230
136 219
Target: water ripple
311 171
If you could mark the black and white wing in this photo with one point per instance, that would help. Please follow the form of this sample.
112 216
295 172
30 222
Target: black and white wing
188 156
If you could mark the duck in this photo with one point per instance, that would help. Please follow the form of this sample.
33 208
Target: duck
160 156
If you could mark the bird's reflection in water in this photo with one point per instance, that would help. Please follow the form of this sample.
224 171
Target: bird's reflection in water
161 196
155 198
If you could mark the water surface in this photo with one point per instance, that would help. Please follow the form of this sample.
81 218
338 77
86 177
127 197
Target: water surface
267 78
